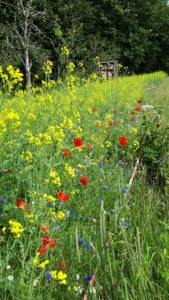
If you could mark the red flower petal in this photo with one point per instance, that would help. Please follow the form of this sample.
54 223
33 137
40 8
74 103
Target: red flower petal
45 240
44 228
110 123
52 243
66 153
42 249
138 109
84 180
62 196
123 141
78 142
21 204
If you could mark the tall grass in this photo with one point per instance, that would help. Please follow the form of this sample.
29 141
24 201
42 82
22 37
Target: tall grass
123 239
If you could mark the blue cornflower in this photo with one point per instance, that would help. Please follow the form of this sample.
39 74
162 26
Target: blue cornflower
105 187
74 213
124 190
88 278
125 224
82 241
49 277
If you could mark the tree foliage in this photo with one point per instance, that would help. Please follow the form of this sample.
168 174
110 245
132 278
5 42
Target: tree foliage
134 32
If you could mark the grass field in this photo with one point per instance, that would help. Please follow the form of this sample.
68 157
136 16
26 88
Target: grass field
70 227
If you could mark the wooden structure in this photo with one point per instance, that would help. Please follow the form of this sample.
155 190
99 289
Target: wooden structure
108 69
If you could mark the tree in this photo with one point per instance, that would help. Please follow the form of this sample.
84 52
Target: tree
22 30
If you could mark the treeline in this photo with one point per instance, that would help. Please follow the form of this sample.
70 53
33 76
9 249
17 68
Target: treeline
135 32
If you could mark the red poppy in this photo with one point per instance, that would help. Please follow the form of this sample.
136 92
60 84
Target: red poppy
138 109
110 123
132 112
66 153
139 101
132 120
21 204
44 228
52 243
62 196
47 240
98 125
78 142
84 180
123 141
94 109
42 249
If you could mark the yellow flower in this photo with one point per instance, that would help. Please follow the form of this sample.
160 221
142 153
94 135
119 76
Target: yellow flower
62 277
61 215
43 264
70 170
136 144
54 274
80 166
134 130
16 228
35 260
4 230
27 156
49 197
47 139
35 140
55 179
108 144
30 217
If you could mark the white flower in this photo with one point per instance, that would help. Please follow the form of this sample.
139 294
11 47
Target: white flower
10 278
147 107
35 282
92 290
8 267
77 276
79 290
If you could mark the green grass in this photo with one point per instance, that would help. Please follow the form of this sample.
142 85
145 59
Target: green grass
123 239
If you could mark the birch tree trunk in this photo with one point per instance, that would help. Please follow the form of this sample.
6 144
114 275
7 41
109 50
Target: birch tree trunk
27 69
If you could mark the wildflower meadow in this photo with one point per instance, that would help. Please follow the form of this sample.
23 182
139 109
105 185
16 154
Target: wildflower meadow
79 215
